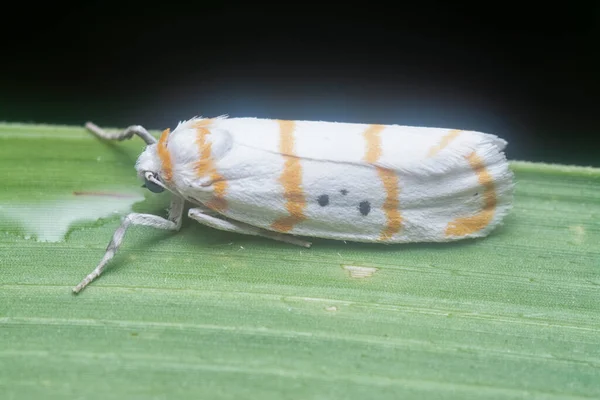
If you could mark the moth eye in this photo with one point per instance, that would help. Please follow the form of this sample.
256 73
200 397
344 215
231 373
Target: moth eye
153 187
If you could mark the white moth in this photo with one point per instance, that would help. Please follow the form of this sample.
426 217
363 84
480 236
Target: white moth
356 182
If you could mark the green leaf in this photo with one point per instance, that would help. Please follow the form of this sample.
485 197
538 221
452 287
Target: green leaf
206 314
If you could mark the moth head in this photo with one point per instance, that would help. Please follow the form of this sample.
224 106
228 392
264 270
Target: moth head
148 167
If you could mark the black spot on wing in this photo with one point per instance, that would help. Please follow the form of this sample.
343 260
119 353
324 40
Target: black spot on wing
323 200
344 192
364 207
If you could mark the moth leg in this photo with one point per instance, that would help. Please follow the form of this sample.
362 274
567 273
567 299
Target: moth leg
240 227
172 223
126 134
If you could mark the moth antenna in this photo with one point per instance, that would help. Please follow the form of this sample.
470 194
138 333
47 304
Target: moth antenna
126 134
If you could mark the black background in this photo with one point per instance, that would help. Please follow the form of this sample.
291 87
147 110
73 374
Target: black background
529 75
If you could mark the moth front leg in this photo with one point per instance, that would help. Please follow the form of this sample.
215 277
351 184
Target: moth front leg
240 227
172 223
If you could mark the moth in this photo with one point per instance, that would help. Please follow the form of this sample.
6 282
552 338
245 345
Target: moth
291 180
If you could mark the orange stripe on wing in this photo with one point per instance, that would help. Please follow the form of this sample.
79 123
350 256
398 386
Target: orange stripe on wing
392 204
206 166
468 225
165 156
373 138
389 179
290 179
444 142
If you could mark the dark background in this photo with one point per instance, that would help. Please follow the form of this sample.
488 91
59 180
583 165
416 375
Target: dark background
531 76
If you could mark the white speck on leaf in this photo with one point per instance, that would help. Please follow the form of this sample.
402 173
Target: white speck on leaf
359 272
578 232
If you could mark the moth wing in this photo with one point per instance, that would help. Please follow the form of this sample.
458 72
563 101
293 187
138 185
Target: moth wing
440 156
323 179
404 149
